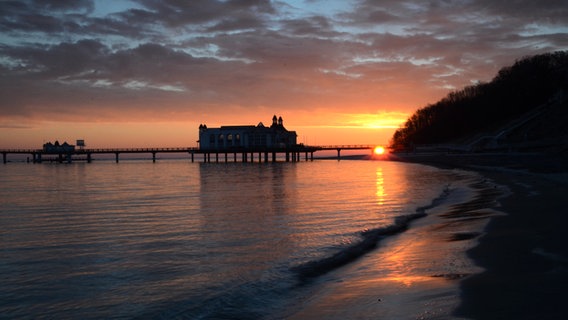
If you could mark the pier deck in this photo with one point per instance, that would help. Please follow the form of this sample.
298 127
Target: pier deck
291 153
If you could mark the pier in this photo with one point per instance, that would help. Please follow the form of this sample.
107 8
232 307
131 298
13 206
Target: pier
250 154
235 143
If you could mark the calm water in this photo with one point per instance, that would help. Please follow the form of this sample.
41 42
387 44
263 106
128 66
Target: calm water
175 239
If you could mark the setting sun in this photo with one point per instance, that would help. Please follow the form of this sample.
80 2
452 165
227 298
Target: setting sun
379 150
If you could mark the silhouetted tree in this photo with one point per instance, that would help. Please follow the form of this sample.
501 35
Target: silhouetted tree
527 84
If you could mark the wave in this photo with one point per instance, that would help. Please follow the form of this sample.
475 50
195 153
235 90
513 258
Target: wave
250 299
369 241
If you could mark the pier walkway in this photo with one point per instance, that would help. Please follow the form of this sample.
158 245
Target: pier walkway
291 154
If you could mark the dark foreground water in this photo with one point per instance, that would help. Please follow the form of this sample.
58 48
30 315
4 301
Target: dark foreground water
184 240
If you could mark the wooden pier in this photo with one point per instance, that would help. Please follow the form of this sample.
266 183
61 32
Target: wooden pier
262 154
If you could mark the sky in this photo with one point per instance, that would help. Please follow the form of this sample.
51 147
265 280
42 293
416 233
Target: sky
147 73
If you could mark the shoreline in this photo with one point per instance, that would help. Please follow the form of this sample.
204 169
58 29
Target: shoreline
415 274
522 253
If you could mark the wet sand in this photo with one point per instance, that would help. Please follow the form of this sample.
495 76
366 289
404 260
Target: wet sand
523 253
415 274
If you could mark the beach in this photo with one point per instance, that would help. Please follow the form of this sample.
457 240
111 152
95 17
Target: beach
522 252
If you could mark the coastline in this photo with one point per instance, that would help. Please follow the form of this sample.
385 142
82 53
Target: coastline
415 274
522 253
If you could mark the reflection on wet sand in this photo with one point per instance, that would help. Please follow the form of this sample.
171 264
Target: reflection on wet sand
411 275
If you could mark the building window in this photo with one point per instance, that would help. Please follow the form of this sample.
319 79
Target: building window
237 139
230 139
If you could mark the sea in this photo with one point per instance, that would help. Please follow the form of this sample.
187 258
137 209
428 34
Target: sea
323 239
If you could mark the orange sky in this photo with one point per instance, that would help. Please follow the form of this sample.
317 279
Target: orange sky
141 74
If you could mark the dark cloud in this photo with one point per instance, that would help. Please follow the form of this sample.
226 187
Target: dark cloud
63 5
41 16
241 21
180 13
545 11
312 26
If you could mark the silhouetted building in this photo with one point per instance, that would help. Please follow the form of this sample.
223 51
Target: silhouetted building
58 148
228 138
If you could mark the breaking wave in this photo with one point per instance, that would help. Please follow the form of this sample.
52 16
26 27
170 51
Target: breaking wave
369 241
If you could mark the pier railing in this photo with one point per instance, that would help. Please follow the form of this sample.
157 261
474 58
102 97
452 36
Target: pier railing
291 152
21 151
346 147
135 150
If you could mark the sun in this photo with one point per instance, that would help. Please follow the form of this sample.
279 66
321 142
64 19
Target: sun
379 150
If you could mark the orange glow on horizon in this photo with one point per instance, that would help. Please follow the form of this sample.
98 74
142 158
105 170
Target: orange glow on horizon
381 120
316 127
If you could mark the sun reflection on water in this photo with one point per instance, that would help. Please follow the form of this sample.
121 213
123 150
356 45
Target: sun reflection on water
380 187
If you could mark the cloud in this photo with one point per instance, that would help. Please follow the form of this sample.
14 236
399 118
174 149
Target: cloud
144 59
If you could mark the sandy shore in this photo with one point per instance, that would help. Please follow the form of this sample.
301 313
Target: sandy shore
415 274
523 253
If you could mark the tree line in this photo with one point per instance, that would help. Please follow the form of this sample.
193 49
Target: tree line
516 89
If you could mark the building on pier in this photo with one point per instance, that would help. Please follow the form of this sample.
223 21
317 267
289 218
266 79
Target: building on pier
233 138
56 147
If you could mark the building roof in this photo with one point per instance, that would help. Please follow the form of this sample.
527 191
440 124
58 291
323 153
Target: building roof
237 127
